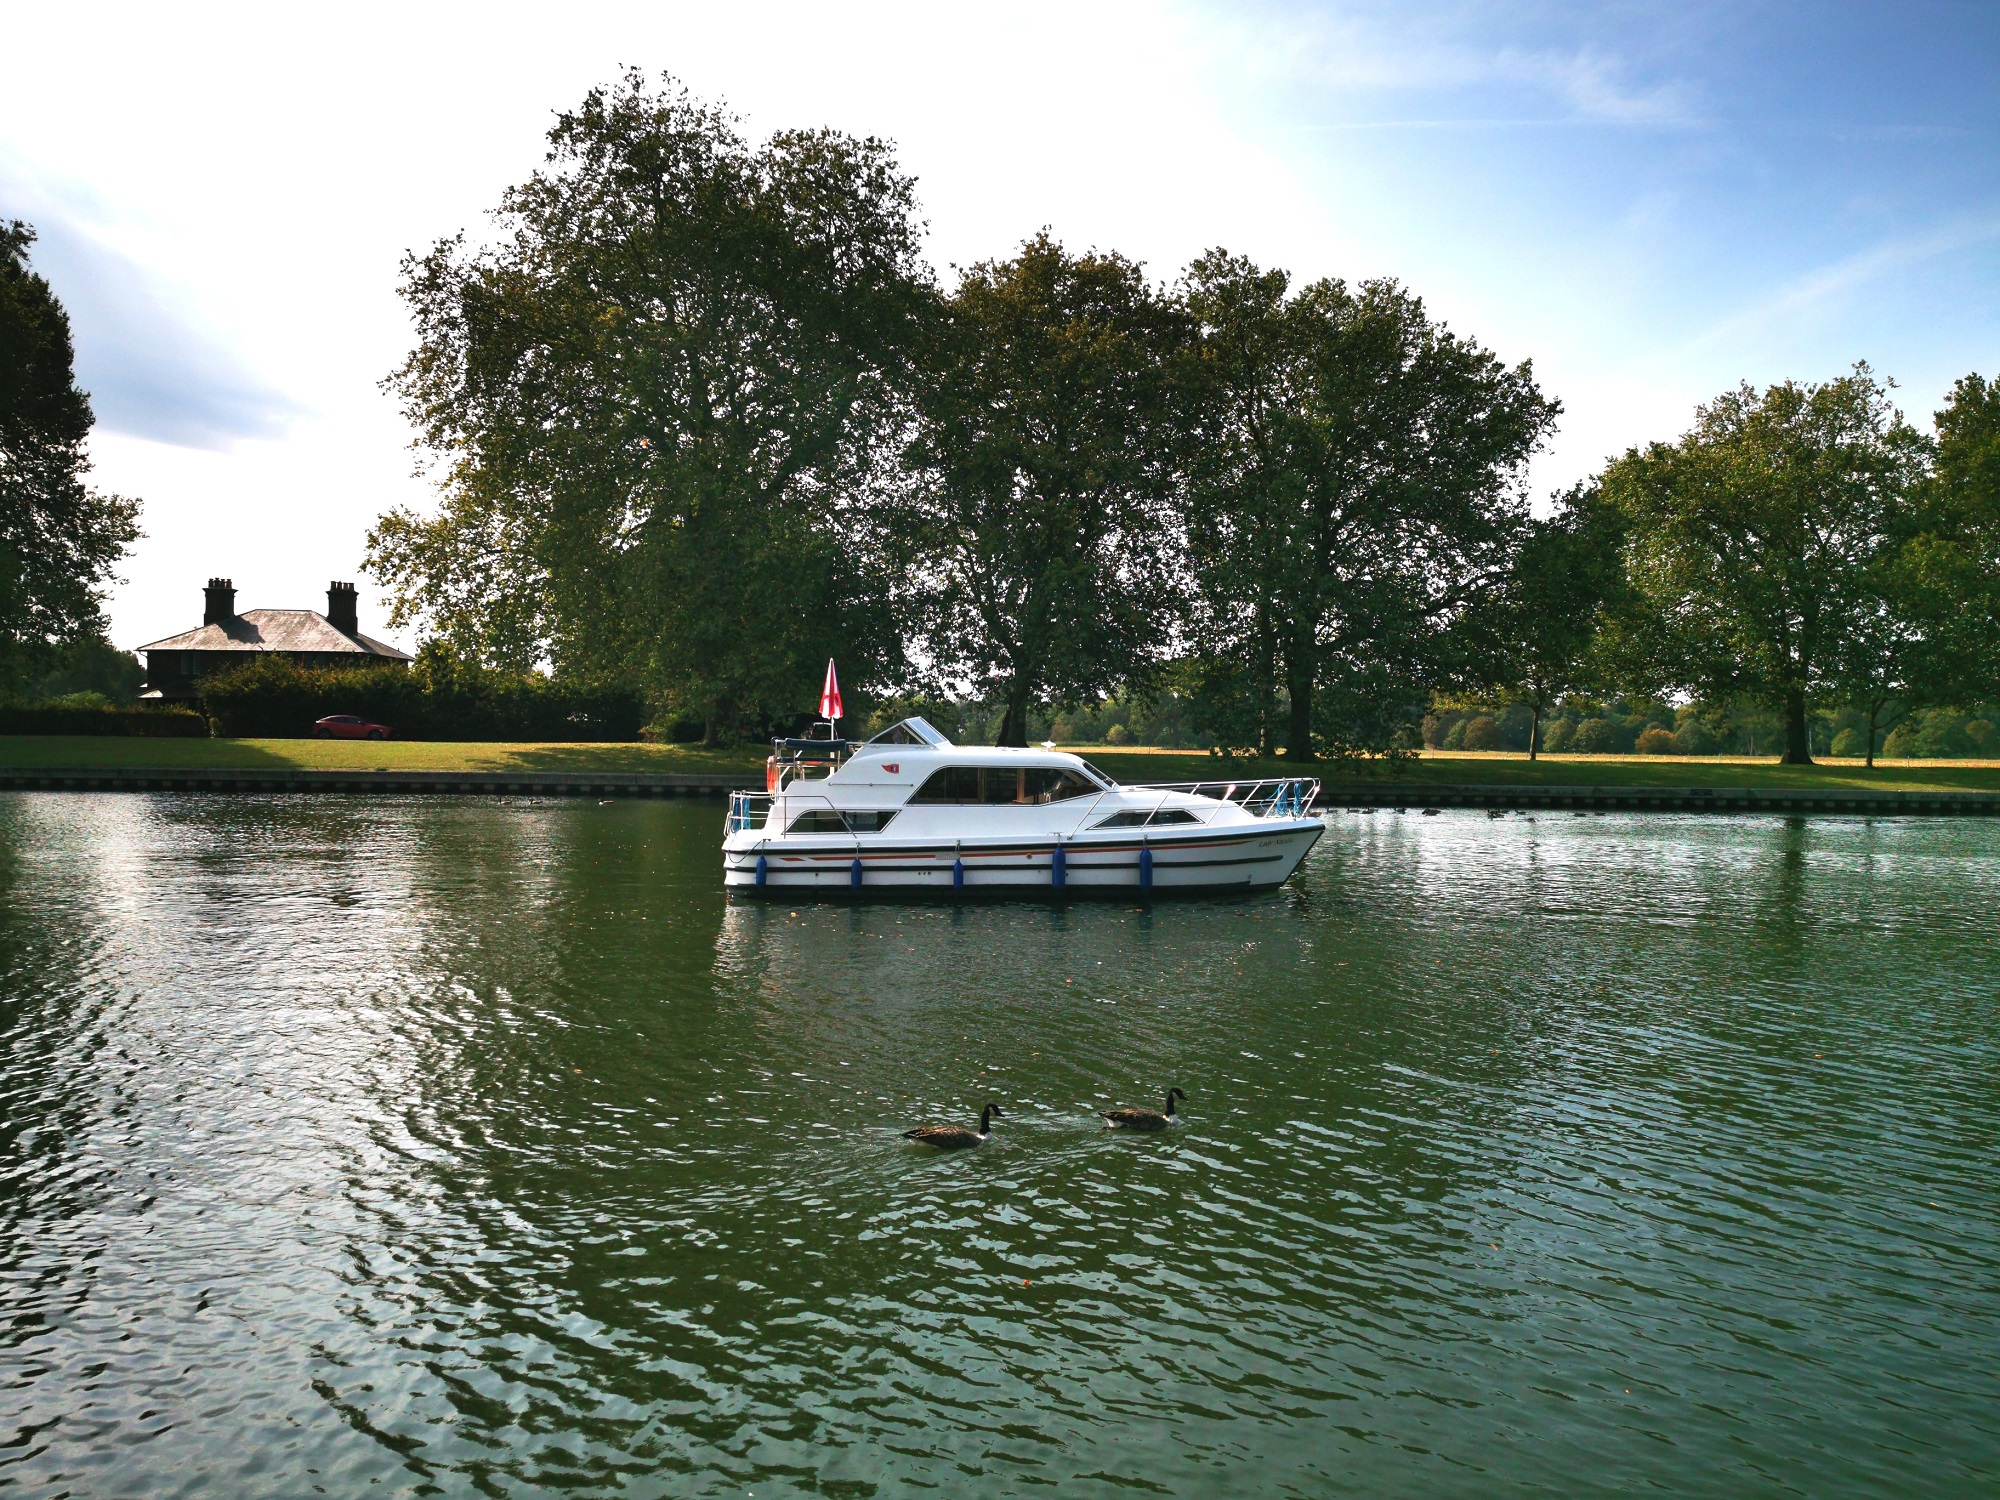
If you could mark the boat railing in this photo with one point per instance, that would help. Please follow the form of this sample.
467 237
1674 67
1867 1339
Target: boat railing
1275 797
747 810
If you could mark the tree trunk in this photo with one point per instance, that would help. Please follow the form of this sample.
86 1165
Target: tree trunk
1299 681
1874 711
1267 687
1014 724
1798 748
1534 727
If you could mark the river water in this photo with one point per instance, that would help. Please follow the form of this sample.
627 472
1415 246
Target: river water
462 1147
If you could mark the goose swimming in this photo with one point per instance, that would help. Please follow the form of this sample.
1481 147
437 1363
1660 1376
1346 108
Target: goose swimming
955 1137
1144 1119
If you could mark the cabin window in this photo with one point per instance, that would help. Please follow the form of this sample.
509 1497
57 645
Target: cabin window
952 784
1143 820
823 820
898 734
1054 784
819 820
1001 786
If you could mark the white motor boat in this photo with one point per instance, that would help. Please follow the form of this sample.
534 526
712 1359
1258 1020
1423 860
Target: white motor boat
910 811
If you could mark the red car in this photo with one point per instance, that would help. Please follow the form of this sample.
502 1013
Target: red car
348 727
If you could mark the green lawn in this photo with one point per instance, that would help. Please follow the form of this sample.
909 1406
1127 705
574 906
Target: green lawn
110 752
1499 769
27 750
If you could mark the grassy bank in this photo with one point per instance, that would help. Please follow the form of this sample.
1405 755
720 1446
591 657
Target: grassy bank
110 752
30 751
1503 769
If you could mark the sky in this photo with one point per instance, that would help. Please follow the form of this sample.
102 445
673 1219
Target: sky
1652 203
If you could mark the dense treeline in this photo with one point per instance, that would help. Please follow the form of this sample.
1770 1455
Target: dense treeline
441 697
704 418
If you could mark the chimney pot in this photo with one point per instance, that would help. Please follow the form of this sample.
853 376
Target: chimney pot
218 602
342 609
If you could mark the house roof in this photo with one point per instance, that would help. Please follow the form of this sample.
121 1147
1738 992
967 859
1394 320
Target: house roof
277 630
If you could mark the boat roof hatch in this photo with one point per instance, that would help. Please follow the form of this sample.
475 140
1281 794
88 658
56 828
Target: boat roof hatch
911 731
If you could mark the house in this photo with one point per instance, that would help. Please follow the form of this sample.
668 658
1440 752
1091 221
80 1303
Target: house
176 665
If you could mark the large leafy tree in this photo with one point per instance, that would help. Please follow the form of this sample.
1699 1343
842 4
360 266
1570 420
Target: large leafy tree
1354 493
59 539
1758 542
661 401
1947 574
1567 572
1036 527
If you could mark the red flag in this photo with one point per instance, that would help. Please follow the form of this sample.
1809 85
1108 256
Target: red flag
829 696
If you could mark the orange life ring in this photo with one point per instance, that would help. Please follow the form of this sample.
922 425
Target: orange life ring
771 773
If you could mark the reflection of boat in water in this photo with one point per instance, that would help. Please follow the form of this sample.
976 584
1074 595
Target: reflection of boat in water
909 810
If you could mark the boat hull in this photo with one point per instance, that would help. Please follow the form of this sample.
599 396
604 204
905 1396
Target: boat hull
1241 857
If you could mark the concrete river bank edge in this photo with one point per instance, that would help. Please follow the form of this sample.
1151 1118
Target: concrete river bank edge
1336 796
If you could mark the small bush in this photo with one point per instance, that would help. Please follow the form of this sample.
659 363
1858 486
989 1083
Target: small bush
1117 734
1656 741
1555 736
1593 737
1454 737
1481 733
1850 744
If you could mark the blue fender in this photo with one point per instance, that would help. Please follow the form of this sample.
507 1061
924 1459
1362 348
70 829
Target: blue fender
1145 867
763 870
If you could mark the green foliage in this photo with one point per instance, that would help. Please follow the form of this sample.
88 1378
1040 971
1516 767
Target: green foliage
1758 539
1656 740
444 696
91 713
1850 744
1692 737
89 664
1594 737
1939 734
59 540
1566 572
1352 495
663 401
1482 733
1035 529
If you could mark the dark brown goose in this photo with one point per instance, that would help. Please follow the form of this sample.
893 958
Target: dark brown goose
1144 1119
955 1137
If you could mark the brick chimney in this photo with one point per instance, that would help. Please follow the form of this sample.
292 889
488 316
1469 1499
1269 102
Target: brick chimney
341 610
218 605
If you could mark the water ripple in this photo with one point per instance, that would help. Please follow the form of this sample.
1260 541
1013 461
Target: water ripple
432 1147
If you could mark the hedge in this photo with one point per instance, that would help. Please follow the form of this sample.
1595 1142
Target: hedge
148 723
440 698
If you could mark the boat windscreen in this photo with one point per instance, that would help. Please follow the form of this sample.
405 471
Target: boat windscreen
912 731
